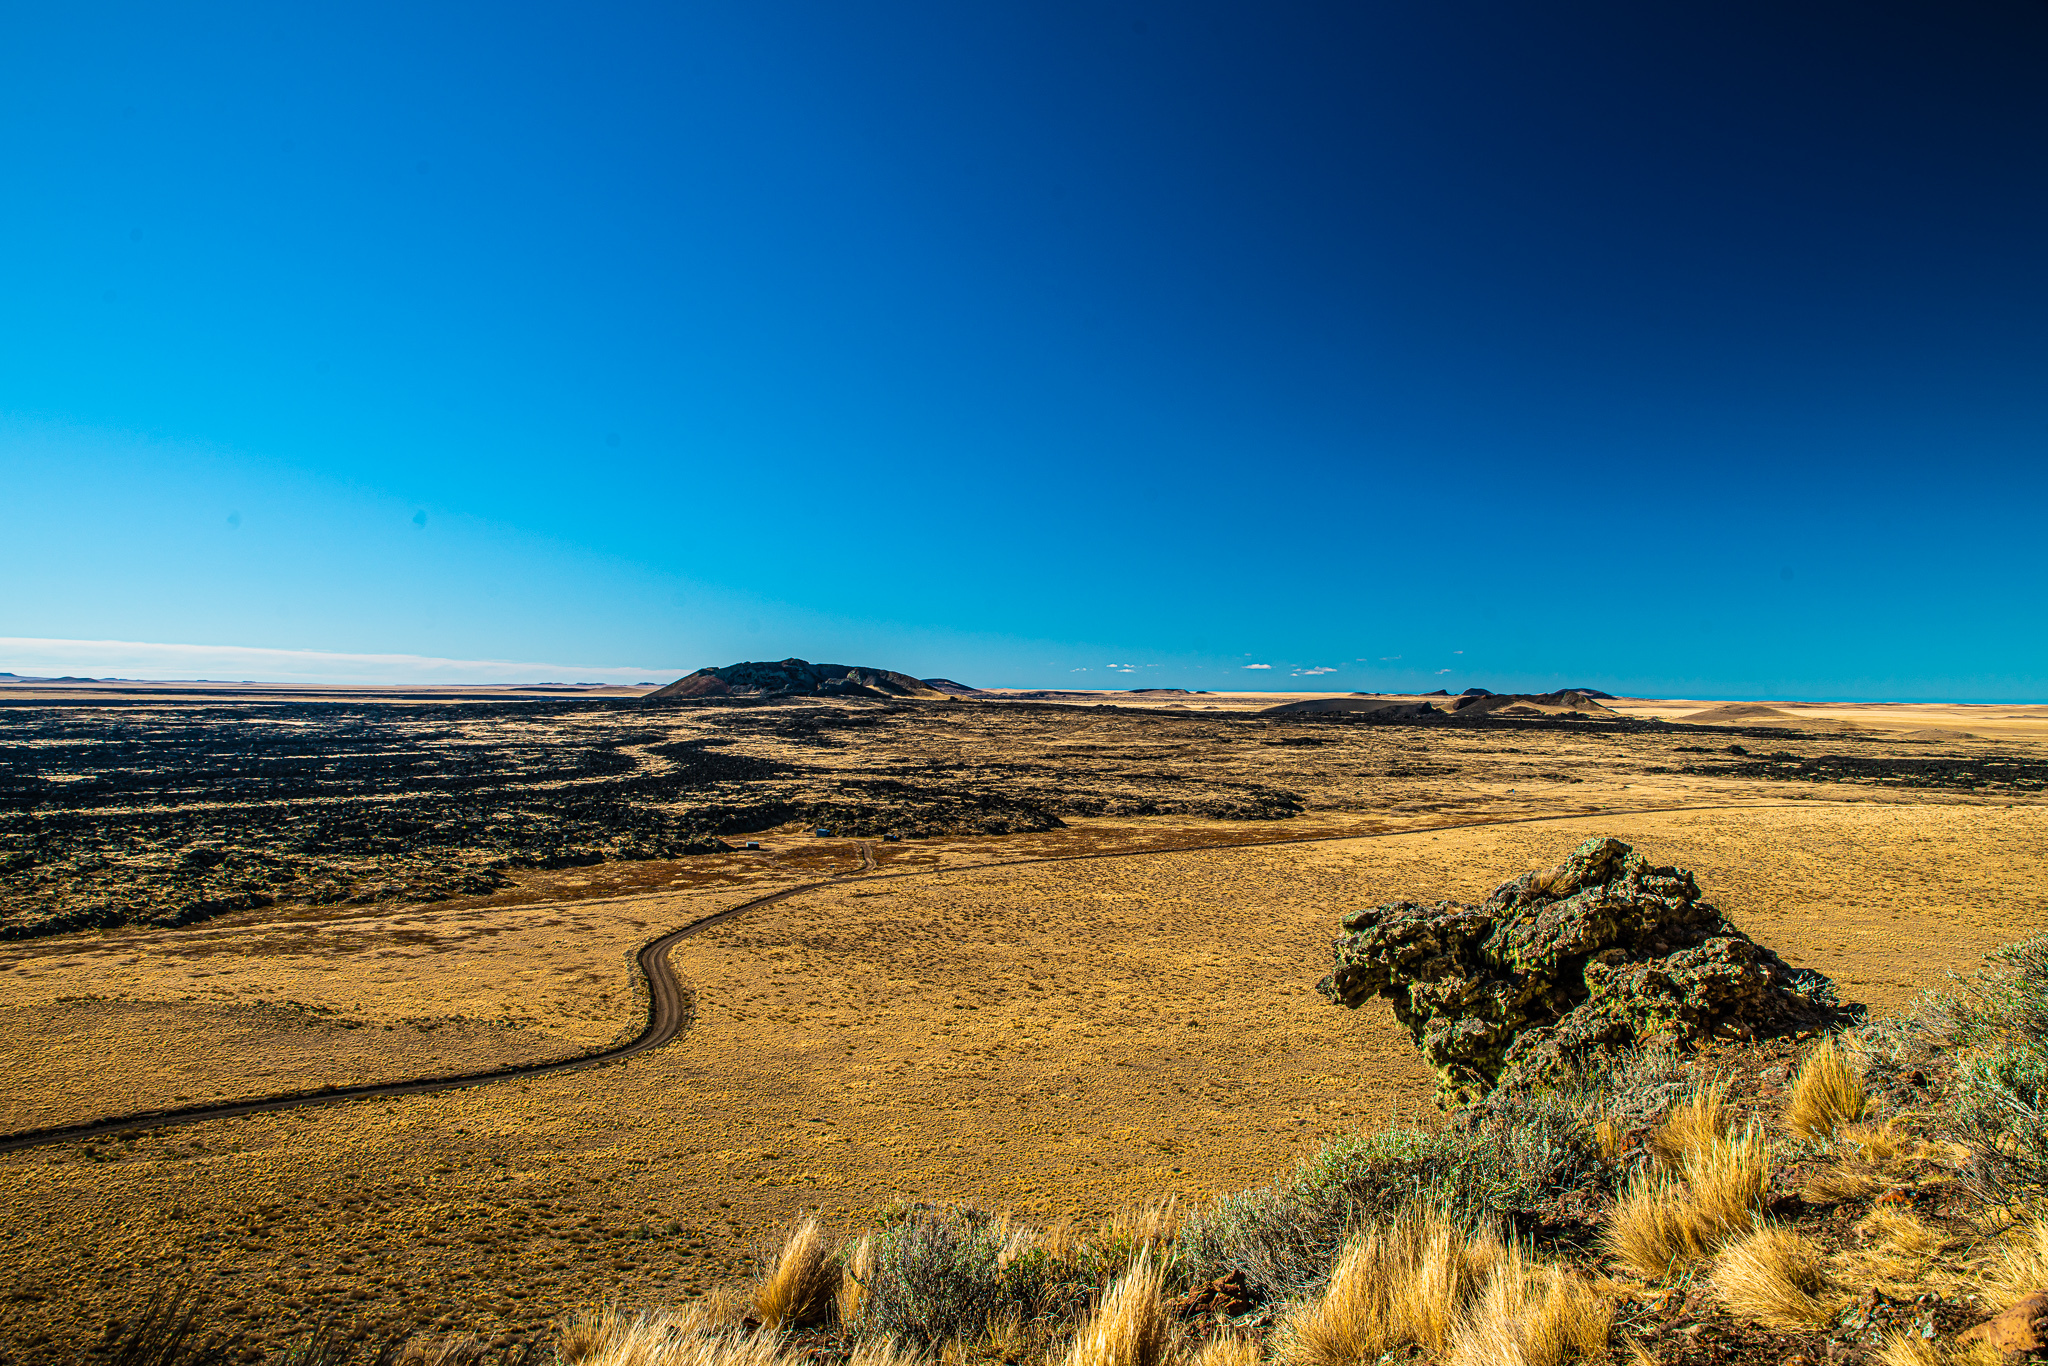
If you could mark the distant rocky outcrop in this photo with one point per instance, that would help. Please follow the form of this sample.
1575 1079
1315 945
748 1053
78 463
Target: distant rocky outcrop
1606 951
953 688
794 678
1473 703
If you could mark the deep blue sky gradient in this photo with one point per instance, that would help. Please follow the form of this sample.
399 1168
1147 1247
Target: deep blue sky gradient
1678 349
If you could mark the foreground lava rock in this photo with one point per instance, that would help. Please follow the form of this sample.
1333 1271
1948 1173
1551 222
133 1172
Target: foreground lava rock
1605 951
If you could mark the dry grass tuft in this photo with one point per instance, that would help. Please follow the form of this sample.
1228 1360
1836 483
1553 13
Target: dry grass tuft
608 1338
1826 1094
882 1352
1533 1316
1130 1327
1409 1281
1909 1349
2019 1265
1842 1182
855 1275
1149 1228
800 1290
1778 1279
1650 1229
1690 1128
1897 1229
1869 1158
1229 1349
1659 1223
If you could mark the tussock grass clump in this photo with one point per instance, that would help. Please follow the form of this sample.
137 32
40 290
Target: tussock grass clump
1661 1222
608 1338
856 1271
1129 1327
1826 1094
1776 1278
1229 1349
1910 1349
1900 1231
1691 1127
2019 1263
1531 1315
1408 1281
799 1290
1868 1158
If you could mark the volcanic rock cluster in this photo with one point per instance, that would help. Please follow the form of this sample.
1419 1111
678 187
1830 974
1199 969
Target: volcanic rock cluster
1604 952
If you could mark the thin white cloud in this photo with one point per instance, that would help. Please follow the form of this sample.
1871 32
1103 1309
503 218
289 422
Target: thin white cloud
1443 671
1321 669
33 655
1258 666
1388 659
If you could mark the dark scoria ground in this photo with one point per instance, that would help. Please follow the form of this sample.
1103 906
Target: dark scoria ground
172 812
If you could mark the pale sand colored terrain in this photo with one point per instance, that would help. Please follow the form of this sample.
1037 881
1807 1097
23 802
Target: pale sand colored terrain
1056 1038
2001 721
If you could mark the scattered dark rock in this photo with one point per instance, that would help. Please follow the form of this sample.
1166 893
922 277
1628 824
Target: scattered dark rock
1604 952
1227 1295
2022 1329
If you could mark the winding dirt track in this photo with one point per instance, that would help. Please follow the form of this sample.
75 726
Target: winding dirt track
671 1006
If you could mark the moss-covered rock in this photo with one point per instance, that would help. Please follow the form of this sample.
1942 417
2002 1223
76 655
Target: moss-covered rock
1605 951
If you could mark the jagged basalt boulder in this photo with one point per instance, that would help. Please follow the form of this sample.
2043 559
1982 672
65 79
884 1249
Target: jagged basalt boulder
1605 951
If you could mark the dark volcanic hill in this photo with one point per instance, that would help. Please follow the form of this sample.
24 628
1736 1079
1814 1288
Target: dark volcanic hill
794 678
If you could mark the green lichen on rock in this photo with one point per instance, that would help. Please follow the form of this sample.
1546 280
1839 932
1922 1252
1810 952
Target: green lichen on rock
1607 951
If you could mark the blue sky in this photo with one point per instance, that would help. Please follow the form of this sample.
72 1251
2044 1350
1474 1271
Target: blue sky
1681 350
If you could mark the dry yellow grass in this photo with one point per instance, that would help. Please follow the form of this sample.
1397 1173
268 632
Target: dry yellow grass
1130 1327
1409 1281
1229 1349
1148 1227
1776 1278
881 1353
858 1271
1016 1038
1661 1222
1691 1127
1909 1349
685 1338
2019 1263
799 1291
1898 1230
1826 1094
1533 1315
1868 1158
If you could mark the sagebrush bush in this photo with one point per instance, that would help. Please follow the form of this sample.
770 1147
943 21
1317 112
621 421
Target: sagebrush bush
1997 1021
938 1275
1286 1237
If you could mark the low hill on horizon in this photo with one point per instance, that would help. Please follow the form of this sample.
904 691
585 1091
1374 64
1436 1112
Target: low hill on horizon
794 678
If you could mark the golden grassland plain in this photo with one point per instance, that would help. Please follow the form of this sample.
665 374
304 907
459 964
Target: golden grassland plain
1045 1037
1058 1037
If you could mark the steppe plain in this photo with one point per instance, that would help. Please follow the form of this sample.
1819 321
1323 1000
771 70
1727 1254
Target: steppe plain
1082 980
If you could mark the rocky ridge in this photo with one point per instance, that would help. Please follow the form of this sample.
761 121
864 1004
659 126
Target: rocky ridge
1607 951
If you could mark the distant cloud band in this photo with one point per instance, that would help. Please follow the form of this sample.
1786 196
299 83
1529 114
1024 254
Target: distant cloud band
34 655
